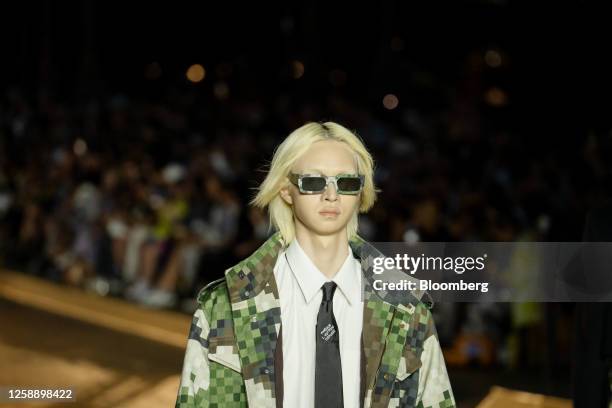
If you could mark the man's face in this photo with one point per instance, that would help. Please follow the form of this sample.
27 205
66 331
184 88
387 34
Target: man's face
326 213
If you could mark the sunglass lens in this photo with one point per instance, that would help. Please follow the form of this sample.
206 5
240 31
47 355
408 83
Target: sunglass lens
313 183
349 184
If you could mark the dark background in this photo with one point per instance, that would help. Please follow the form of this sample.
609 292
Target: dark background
473 151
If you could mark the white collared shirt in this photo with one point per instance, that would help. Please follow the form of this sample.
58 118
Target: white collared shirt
299 285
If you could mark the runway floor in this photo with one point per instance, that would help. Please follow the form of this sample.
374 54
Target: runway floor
106 368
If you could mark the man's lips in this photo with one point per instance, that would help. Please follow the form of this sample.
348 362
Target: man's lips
329 212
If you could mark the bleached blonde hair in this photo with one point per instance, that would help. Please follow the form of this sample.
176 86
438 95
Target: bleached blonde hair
285 156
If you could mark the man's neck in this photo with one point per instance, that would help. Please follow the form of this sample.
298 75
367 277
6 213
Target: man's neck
327 252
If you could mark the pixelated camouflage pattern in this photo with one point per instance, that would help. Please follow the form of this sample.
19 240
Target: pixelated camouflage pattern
229 359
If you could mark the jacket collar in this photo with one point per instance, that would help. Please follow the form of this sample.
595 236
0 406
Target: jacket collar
248 278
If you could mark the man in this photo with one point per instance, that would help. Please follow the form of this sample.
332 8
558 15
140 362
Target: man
297 323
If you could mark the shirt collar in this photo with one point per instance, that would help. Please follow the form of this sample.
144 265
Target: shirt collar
310 278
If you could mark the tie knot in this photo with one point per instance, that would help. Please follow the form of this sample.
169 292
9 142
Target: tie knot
328 291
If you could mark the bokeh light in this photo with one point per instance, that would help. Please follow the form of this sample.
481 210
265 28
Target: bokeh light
196 73
297 69
390 101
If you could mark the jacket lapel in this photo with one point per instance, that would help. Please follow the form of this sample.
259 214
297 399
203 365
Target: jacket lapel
385 326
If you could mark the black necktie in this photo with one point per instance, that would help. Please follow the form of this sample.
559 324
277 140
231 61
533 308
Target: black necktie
328 371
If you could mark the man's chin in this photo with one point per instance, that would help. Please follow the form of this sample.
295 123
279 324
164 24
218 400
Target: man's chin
327 229
323 226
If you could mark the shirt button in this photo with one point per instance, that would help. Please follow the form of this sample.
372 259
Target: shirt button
254 319
266 371
386 376
241 275
403 325
246 293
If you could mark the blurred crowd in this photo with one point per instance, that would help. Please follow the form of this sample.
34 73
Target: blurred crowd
146 198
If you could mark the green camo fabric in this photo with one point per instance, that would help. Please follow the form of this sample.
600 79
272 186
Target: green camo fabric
229 358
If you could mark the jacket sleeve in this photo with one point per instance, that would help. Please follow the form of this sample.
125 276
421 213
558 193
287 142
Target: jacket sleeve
434 385
195 376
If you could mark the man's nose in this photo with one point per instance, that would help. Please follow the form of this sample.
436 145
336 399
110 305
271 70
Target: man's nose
330 191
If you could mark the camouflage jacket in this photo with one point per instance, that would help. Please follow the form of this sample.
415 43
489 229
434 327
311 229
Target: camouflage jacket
234 349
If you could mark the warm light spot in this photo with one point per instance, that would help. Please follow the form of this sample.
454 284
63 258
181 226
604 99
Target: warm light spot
390 101
297 69
496 97
196 73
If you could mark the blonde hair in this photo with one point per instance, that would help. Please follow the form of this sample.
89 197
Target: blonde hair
288 152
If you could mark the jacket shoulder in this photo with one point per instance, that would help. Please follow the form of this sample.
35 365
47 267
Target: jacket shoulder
213 299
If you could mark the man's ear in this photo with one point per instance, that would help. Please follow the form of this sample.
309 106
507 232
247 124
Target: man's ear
285 193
